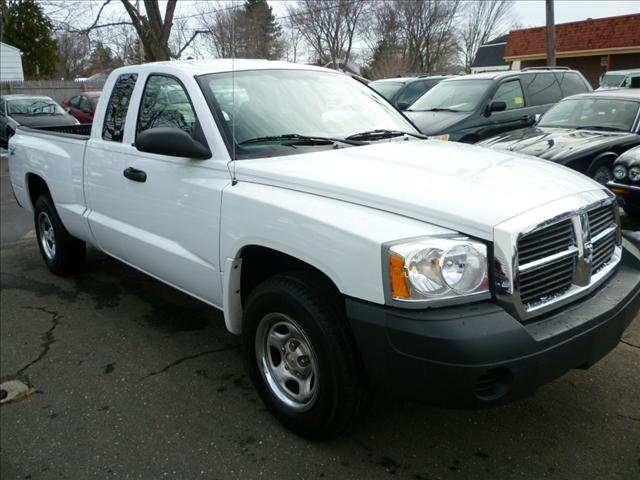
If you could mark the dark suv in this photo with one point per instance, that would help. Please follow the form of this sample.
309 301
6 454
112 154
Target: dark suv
474 107
403 91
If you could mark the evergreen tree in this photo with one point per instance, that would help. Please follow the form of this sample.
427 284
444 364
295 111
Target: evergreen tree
26 27
259 34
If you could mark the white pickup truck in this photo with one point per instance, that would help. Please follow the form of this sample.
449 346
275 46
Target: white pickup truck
348 251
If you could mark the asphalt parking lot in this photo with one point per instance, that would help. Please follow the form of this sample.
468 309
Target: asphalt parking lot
133 379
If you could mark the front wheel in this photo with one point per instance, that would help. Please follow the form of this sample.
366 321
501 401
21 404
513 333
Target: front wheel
62 253
300 356
602 171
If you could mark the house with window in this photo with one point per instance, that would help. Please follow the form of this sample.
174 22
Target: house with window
490 56
592 46
10 64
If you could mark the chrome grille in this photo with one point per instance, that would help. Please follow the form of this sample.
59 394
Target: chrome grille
542 274
545 242
563 254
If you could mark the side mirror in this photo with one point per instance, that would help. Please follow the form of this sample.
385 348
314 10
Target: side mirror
497 107
173 142
403 105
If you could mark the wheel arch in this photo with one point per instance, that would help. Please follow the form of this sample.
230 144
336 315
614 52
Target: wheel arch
251 265
36 186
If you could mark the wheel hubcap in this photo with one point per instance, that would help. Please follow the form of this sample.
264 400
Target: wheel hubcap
603 175
47 236
287 361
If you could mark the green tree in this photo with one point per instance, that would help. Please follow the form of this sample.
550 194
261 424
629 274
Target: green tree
260 34
26 27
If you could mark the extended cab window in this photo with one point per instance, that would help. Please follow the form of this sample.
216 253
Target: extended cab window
113 128
165 104
510 93
542 88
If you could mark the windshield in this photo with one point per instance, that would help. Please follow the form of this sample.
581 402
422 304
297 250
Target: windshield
34 106
272 103
457 95
600 113
386 89
610 80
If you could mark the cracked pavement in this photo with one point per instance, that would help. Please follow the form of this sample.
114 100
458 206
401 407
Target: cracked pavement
136 380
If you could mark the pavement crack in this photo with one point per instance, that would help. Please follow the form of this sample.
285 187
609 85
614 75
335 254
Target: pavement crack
633 345
47 337
189 357
628 417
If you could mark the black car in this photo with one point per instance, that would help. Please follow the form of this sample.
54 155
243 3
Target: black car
403 91
474 107
626 183
585 132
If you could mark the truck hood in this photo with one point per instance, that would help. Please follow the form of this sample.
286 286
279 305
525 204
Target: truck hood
557 144
462 187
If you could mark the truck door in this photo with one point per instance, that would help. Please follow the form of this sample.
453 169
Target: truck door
168 213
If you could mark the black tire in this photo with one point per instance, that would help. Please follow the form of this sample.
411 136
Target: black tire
63 254
596 170
341 389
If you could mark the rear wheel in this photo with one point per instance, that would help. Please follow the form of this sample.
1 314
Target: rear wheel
62 253
300 355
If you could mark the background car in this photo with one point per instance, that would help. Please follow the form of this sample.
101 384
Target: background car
620 79
585 132
474 107
626 183
403 91
30 111
82 106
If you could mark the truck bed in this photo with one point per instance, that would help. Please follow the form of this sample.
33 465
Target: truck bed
80 132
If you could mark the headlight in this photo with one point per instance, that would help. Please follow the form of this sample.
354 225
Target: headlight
620 172
634 174
431 269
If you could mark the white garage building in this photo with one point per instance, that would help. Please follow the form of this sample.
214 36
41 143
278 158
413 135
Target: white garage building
10 64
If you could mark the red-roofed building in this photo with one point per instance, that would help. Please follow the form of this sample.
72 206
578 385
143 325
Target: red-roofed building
590 46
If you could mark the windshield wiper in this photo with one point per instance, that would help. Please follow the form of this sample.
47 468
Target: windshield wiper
304 139
382 133
601 127
440 109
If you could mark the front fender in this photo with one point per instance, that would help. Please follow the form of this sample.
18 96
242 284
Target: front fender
342 240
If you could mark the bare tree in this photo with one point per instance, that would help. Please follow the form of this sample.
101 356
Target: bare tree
329 27
73 55
482 21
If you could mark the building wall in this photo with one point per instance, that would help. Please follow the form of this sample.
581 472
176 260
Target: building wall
10 64
591 67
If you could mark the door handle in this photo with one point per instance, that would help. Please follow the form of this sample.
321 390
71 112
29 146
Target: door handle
135 174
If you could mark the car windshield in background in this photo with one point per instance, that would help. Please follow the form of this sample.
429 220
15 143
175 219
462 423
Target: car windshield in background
592 113
271 107
612 80
386 89
34 106
456 96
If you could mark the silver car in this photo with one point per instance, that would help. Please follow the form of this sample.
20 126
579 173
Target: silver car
29 111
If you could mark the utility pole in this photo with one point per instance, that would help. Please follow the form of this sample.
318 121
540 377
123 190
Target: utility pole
551 35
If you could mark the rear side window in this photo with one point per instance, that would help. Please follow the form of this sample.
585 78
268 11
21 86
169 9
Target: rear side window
413 92
113 128
165 104
542 88
571 84
510 93
75 102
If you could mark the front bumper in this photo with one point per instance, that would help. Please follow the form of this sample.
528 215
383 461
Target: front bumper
479 355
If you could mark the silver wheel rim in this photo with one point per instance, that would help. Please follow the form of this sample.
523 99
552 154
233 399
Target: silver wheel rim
603 175
286 361
47 236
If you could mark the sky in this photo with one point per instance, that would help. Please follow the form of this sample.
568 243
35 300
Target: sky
531 13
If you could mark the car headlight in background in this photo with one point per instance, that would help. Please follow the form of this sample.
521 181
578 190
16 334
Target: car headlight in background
619 172
432 269
634 174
